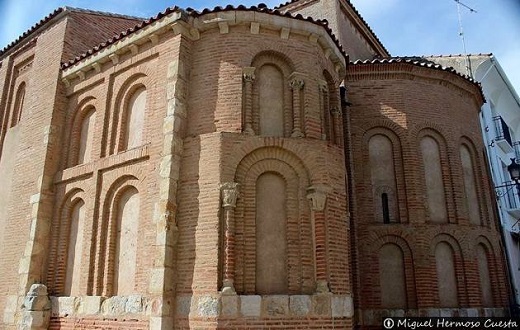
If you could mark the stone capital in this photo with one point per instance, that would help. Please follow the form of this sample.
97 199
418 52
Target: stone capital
323 86
297 81
317 196
248 73
297 84
229 194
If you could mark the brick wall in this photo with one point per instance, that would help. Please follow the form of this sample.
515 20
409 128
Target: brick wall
401 102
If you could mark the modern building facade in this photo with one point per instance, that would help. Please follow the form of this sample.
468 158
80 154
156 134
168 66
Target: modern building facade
206 170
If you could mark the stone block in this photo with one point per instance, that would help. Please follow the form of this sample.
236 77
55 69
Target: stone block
36 320
156 280
321 305
412 313
488 312
337 306
446 312
300 305
134 304
499 312
433 312
90 305
277 305
207 306
229 305
114 305
397 312
67 306
472 312
250 306
183 305
342 306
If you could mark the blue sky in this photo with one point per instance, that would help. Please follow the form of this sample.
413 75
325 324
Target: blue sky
406 27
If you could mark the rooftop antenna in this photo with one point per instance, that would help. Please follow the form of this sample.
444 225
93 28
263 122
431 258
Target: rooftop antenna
461 34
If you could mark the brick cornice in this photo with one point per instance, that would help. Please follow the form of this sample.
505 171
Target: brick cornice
410 71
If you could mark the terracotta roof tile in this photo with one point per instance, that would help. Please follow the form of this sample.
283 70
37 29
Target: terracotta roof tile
120 36
192 12
33 28
421 62
54 14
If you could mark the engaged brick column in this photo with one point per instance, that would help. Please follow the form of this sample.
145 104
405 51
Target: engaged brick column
317 196
229 200
248 73
336 119
297 84
324 109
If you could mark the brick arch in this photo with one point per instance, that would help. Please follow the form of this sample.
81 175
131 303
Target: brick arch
375 247
286 67
401 192
124 93
107 231
271 151
458 259
18 103
496 275
478 172
277 58
300 246
59 243
436 134
330 100
75 134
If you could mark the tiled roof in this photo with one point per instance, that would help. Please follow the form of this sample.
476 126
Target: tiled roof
357 14
421 62
262 8
32 29
459 55
120 36
51 16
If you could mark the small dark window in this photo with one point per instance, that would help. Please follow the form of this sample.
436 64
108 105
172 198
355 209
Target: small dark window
386 210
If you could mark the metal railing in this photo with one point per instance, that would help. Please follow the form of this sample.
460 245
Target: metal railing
516 146
502 130
508 194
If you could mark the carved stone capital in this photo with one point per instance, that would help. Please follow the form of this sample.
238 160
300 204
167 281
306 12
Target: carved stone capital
229 194
248 73
322 85
297 84
317 196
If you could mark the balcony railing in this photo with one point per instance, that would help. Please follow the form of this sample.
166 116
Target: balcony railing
503 134
516 146
509 198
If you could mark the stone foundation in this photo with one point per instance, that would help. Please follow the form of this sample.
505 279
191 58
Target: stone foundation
268 306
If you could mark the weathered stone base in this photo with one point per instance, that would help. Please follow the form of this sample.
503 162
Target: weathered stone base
35 320
321 311
87 312
373 317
